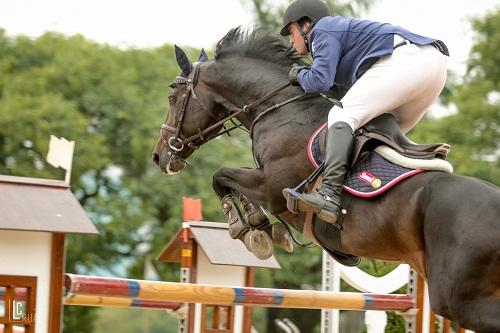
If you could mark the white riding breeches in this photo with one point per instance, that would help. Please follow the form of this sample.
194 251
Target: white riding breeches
404 84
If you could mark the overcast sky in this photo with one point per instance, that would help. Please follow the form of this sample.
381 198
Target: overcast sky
150 23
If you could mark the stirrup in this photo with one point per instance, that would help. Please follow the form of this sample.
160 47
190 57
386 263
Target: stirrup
291 196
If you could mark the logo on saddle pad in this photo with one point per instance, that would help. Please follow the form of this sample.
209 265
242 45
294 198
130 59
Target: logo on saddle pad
370 179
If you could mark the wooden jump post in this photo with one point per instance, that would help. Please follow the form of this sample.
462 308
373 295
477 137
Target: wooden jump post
141 290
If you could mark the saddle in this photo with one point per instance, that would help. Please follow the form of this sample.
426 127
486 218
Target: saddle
384 130
382 157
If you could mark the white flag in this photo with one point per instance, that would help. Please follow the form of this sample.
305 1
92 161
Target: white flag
60 152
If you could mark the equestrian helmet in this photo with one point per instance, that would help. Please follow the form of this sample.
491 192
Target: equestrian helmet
312 9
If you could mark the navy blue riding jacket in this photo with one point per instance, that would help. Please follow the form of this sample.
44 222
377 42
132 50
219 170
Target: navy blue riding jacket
343 49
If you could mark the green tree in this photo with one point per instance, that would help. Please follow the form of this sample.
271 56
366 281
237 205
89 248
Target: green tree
473 129
111 102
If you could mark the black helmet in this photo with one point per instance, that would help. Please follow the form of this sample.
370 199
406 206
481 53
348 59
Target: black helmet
313 9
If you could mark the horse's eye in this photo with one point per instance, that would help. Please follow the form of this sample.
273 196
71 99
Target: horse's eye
171 99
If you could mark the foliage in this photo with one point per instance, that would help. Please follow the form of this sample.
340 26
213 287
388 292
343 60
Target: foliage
79 319
152 321
111 102
474 129
395 323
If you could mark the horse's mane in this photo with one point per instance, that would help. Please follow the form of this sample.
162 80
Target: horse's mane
260 44
256 43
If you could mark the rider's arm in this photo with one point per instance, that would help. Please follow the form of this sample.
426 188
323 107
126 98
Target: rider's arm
326 50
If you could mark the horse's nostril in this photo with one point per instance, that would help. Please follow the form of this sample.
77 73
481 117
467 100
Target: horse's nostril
156 158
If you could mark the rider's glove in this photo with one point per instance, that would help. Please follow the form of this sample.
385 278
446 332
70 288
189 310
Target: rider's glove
294 72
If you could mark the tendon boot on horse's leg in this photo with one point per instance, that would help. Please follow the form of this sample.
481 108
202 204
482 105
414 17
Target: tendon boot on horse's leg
326 202
257 219
237 228
253 214
256 241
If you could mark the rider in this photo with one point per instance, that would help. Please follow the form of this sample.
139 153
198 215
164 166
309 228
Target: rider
384 67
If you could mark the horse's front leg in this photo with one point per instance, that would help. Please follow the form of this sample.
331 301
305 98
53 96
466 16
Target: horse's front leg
254 216
254 231
258 220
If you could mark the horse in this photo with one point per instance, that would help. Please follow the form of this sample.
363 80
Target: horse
445 226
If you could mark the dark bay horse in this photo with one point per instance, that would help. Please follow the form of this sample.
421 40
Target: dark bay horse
447 227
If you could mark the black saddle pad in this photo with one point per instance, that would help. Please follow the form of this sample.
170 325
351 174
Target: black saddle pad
371 177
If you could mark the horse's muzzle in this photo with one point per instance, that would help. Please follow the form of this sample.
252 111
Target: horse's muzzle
171 164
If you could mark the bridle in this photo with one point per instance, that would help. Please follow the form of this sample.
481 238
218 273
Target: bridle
176 143
190 82
204 135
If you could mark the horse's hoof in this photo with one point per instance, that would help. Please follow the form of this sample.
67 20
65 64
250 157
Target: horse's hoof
245 239
261 245
282 238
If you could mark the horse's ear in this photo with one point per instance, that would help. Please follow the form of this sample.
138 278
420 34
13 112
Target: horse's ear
203 56
183 62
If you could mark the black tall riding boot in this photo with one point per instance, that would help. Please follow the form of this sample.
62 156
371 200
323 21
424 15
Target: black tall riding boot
326 202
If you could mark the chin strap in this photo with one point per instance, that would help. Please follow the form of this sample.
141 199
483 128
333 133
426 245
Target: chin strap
304 35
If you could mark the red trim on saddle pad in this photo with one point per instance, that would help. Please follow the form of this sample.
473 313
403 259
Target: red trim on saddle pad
310 142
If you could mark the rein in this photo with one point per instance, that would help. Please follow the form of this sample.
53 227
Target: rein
275 107
238 111
176 144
